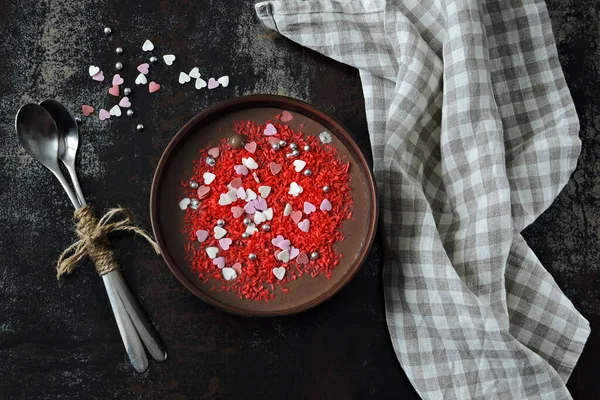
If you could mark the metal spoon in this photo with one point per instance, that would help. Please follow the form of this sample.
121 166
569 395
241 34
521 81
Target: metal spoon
68 140
39 136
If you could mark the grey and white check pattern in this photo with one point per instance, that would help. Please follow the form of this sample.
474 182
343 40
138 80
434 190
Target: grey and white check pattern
474 133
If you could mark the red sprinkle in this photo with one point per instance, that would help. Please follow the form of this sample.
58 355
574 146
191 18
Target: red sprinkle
256 280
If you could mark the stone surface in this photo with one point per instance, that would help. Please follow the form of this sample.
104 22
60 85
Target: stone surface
60 340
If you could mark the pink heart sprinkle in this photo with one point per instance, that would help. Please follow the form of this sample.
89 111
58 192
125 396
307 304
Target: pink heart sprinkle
249 208
325 205
117 80
225 243
296 216
87 110
237 267
125 103
104 114
237 211
275 168
153 87
255 177
203 191
202 235
302 258
236 183
276 240
309 207
240 193
304 225
280 242
98 77
143 68
286 116
273 140
241 170
251 147
293 252
261 204
213 83
270 130
219 262
214 152
114 90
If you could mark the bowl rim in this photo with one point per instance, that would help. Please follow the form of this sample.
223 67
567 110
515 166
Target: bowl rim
262 100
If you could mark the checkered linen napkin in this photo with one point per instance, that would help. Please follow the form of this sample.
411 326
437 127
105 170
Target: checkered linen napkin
474 133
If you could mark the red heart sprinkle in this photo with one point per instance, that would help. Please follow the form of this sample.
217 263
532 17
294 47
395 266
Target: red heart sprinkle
203 191
236 183
237 211
275 168
273 140
302 258
214 152
237 267
286 116
296 215
114 90
87 110
251 147
153 87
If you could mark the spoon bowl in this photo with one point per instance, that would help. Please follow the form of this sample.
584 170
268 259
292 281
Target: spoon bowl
38 134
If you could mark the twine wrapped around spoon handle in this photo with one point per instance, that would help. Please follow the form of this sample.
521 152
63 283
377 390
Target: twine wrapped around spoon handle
94 242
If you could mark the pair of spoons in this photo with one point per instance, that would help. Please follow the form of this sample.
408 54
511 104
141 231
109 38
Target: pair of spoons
48 132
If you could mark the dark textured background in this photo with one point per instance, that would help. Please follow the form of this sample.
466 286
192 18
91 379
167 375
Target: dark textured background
60 341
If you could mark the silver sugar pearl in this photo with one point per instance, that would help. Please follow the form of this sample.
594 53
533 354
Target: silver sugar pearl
153 59
78 120
193 185
130 113
119 66
266 227
295 153
210 161
306 147
275 146
293 146
107 31
282 143
140 127
245 235
119 50
252 256
307 172
127 91
314 255
221 222
247 221
194 203
326 189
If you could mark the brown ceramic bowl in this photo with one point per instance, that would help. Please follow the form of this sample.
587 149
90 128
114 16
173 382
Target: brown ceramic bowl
176 164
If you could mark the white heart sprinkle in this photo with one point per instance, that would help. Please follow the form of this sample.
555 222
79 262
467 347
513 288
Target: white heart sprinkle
184 78
287 210
264 191
295 189
184 203
224 80
250 195
148 46
284 256
212 252
224 199
228 273
209 177
219 232
251 228
232 194
299 165
279 272
325 137
169 58
194 73
249 163
141 79
259 217
200 83
195 206
116 111
93 70
268 213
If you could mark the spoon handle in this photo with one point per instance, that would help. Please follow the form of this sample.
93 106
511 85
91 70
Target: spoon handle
131 339
139 319
75 181
61 178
